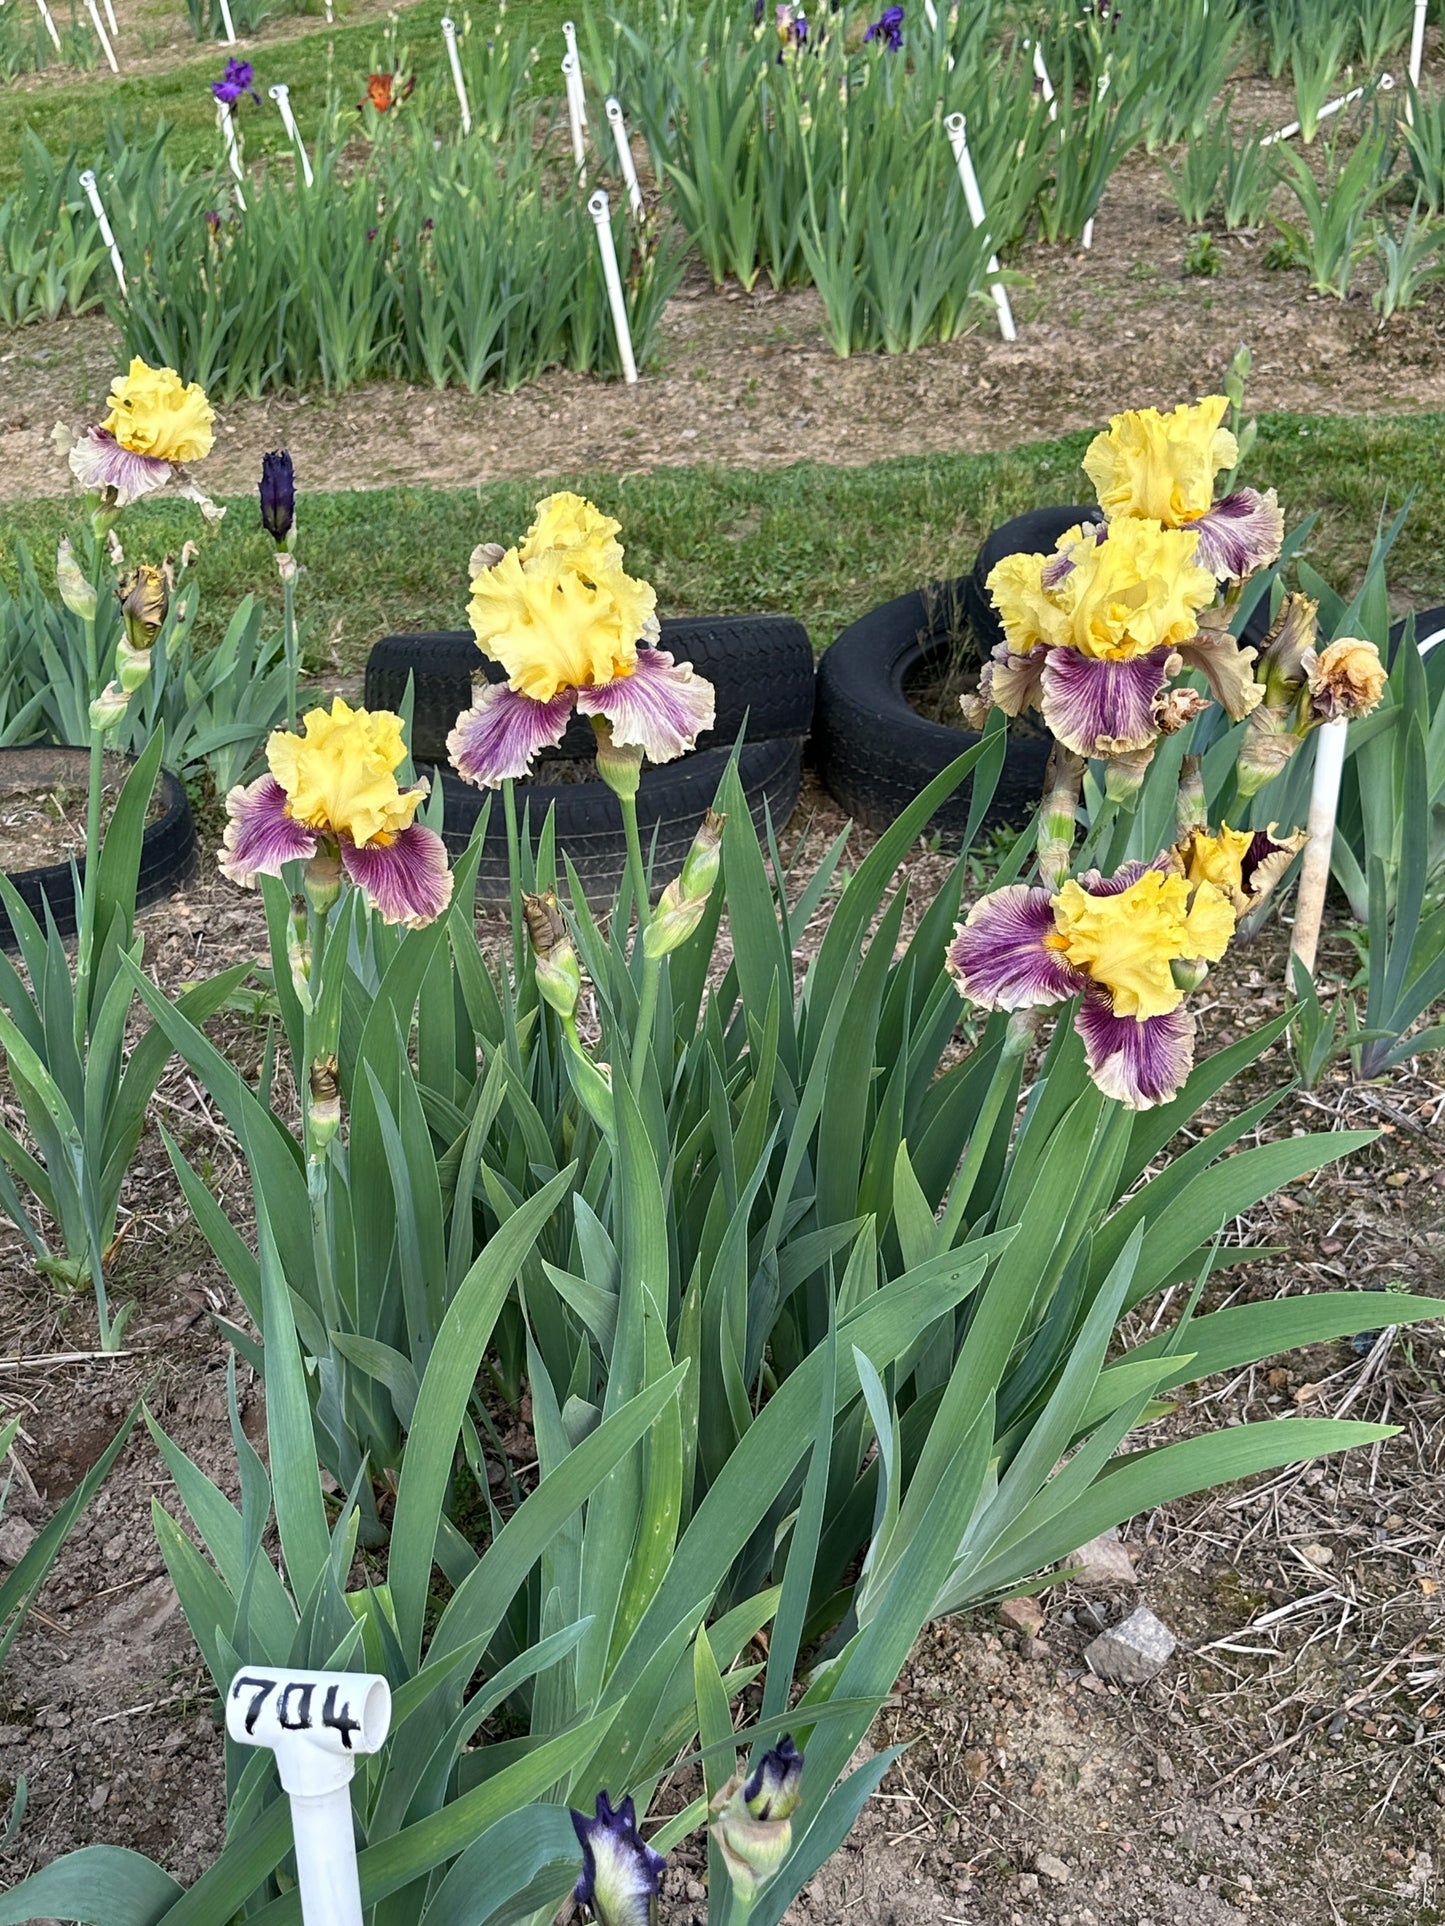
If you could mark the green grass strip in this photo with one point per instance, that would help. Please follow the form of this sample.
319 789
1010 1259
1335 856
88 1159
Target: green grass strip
819 542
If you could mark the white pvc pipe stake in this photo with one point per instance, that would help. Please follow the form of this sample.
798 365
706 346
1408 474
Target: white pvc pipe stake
1417 52
45 15
930 14
233 153
1314 875
624 154
1384 84
281 94
449 34
226 23
1046 86
1086 239
602 217
576 112
956 128
110 16
317 1724
100 34
92 194
569 34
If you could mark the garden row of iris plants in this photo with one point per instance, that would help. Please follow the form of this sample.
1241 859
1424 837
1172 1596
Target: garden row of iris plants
816 1316
809 151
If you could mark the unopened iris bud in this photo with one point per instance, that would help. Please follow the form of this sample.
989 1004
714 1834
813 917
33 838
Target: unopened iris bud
132 665
322 880
618 764
298 953
76 589
620 1872
278 497
752 1819
559 980
324 1110
591 1081
145 598
108 708
704 859
681 905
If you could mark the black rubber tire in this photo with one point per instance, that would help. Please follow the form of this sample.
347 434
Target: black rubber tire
671 802
1036 533
760 665
872 749
168 853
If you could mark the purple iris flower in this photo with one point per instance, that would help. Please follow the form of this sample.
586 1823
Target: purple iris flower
234 82
888 27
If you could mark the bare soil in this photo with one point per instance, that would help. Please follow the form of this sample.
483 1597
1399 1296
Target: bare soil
747 380
44 822
1287 1765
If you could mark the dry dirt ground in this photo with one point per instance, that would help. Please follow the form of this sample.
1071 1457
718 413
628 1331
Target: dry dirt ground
1288 1765
747 380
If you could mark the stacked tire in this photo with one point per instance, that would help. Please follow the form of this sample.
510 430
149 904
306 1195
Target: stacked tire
762 669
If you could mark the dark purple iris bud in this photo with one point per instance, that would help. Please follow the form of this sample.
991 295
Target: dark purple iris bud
620 1871
771 1791
213 220
278 495
371 233
888 28
234 82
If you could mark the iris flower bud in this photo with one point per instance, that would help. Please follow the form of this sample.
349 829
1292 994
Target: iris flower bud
681 905
322 880
559 980
618 764
278 497
77 591
620 1871
752 1819
108 708
324 1110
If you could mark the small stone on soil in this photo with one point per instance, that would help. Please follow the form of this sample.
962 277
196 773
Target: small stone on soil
1047 1866
16 1538
1105 1560
1134 1652
1023 1614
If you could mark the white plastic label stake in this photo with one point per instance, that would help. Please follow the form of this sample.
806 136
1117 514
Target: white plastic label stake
45 15
1314 875
110 16
1046 86
601 214
625 162
1417 51
317 1724
233 152
100 34
92 194
576 113
226 23
281 94
449 34
930 14
1384 84
956 128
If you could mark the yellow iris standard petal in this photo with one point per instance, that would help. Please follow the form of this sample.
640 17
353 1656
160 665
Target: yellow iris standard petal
340 776
1218 859
571 523
553 627
1162 467
1127 942
1136 591
153 412
1028 616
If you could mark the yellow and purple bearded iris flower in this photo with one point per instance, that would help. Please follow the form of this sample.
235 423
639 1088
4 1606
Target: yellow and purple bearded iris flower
1161 468
332 796
156 424
1095 633
572 630
620 1871
1127 946
1246 864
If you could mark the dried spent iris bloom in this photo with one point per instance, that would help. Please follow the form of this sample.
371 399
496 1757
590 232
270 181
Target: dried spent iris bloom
620 1871
572 630
1301 686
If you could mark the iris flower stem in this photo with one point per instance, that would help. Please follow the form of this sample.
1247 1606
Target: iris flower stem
85 942
646 1011
318 1156
293 652
514 877
635 866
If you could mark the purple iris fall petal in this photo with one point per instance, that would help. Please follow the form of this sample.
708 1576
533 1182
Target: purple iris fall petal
498 737
620 1871
260 836
1140 1063
278 494
888 27
999 957
1100 707
1241 533
234 82
99 462
661 708
406 879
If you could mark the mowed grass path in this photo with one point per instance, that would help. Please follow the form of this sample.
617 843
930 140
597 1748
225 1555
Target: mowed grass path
77 113
821 543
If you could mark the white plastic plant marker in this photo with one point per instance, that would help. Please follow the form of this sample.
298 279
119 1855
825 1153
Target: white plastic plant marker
95 20
449 34
625 163
110 16
318 1724
281 94
1417 52
97 208
1314 875
48 18
1086 239
1383 85
227 24
576 112
227 124
1046 86
956 127
930 14
601 214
